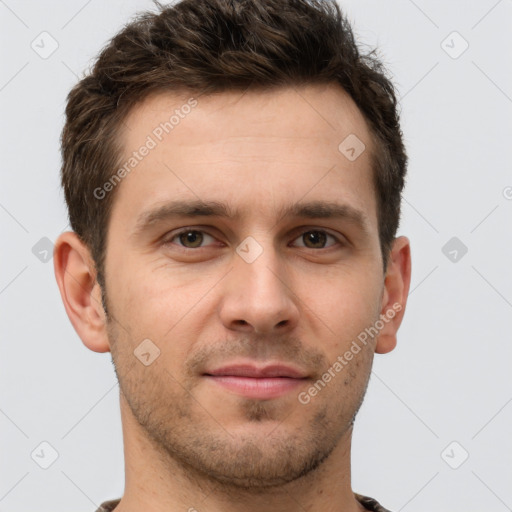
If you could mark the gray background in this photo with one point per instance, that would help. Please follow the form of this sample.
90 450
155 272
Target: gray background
449 378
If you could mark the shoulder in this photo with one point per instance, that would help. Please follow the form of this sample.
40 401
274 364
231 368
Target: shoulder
370 503
108 506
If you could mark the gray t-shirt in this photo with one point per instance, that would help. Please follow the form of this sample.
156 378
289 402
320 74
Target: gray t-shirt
368 503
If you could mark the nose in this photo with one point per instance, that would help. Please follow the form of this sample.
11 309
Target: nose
257 297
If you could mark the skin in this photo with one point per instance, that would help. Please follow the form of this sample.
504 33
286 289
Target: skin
189 443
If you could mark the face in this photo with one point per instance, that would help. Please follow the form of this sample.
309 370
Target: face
244 246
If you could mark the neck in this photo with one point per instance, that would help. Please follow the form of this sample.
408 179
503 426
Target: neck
157 482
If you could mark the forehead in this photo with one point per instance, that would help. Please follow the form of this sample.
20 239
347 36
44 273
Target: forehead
252 149
306 112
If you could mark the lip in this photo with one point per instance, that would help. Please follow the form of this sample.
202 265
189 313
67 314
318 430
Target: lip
260 382
258 372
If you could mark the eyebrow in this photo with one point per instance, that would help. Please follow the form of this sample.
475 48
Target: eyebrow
199 208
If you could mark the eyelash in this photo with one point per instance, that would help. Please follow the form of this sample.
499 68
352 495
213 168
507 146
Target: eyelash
169 241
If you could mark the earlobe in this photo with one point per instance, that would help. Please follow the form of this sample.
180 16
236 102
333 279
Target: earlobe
394 297
80 291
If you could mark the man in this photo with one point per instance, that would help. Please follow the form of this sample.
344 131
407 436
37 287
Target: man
233 173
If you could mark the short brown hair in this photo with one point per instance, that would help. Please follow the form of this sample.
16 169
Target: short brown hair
208 46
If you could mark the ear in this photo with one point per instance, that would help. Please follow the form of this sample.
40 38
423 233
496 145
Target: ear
394 296
81 294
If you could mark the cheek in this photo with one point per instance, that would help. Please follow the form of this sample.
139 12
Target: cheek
346 303
166 310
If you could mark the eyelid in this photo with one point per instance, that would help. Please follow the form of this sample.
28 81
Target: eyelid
340 239
303 230
167 239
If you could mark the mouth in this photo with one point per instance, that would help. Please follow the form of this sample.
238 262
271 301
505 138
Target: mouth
264 383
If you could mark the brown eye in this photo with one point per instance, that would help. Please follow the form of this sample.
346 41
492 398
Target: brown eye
315 239
191 238
191 241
